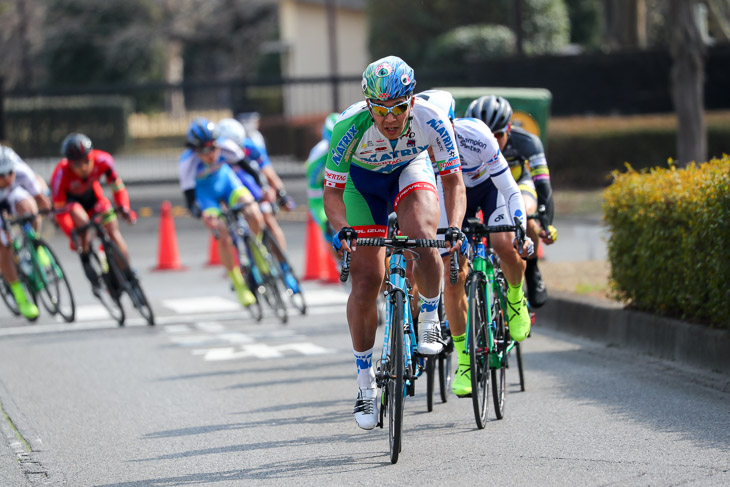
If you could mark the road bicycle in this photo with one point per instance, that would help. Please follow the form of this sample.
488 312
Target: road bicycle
109 271
487 337
39 270
400 363
440 364
257 265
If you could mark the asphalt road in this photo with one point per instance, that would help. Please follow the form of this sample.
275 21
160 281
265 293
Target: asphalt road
208 397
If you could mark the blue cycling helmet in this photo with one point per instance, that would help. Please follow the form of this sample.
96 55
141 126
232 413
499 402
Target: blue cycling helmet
388 78
329 124
201 133
441 99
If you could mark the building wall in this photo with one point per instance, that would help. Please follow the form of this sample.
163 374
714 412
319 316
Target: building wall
305 33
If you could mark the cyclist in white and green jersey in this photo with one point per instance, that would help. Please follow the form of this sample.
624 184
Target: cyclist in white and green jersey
378 157
315 177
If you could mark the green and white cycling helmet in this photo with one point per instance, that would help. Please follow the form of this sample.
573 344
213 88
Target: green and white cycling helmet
388 78
230 128
441 99
7 160
329 124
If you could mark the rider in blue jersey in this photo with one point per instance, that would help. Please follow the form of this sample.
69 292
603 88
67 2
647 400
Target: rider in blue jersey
207 178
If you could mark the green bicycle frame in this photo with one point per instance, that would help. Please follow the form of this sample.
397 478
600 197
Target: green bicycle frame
482 263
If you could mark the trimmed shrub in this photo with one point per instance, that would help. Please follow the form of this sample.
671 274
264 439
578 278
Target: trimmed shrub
36 126
668 244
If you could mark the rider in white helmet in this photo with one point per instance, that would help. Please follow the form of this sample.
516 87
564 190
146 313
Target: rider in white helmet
20 194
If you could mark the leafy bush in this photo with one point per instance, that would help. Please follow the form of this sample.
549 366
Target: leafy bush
668 244
472 44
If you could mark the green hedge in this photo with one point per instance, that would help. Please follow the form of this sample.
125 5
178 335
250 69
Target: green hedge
669 240
586 160
35 127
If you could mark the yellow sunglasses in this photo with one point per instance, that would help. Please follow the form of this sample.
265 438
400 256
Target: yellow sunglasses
383 111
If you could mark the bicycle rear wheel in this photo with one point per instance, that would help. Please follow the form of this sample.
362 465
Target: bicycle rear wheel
499 359
395 377
108 292
56 294
478 347
7 295
292 289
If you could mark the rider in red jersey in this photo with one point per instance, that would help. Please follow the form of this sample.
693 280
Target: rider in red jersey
77 194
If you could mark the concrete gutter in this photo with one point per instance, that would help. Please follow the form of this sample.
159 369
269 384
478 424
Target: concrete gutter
608 322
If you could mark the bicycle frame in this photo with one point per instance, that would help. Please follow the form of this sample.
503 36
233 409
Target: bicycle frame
397 283
483 263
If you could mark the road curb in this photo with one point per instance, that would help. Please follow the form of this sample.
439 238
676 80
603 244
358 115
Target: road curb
658 336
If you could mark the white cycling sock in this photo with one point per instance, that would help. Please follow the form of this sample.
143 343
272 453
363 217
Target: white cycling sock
365 371
429 308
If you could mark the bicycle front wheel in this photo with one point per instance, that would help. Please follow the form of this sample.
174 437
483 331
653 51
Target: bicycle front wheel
288 280
478 335
396 372
56 294
498 358
7 295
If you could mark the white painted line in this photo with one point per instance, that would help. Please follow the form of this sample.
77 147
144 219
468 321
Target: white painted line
201 304
304 348
209 326
91 312
319 297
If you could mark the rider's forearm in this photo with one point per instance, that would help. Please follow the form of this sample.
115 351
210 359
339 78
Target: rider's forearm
507 186
274 179
334 207
545 197
454 198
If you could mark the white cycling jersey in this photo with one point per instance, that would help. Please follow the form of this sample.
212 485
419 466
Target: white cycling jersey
24 178
481 160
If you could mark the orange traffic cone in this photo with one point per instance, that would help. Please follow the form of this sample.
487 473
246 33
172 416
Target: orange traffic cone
168 258
319 263
313 252
329 272
213 257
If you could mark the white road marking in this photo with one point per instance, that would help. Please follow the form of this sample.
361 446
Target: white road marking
201 304
259 351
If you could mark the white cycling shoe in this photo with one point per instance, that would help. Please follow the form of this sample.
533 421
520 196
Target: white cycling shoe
429 338
366 408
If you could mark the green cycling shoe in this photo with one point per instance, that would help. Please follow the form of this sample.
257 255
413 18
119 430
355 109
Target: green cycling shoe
461 386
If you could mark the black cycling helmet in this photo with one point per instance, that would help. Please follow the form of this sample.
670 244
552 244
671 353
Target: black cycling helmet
201 133
76 146
495 111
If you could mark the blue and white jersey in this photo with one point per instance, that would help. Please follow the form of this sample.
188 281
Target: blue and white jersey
191 168
481 161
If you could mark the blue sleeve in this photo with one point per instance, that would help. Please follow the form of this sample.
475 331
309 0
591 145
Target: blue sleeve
256 153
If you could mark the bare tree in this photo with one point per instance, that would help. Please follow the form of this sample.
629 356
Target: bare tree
625 24
687 81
